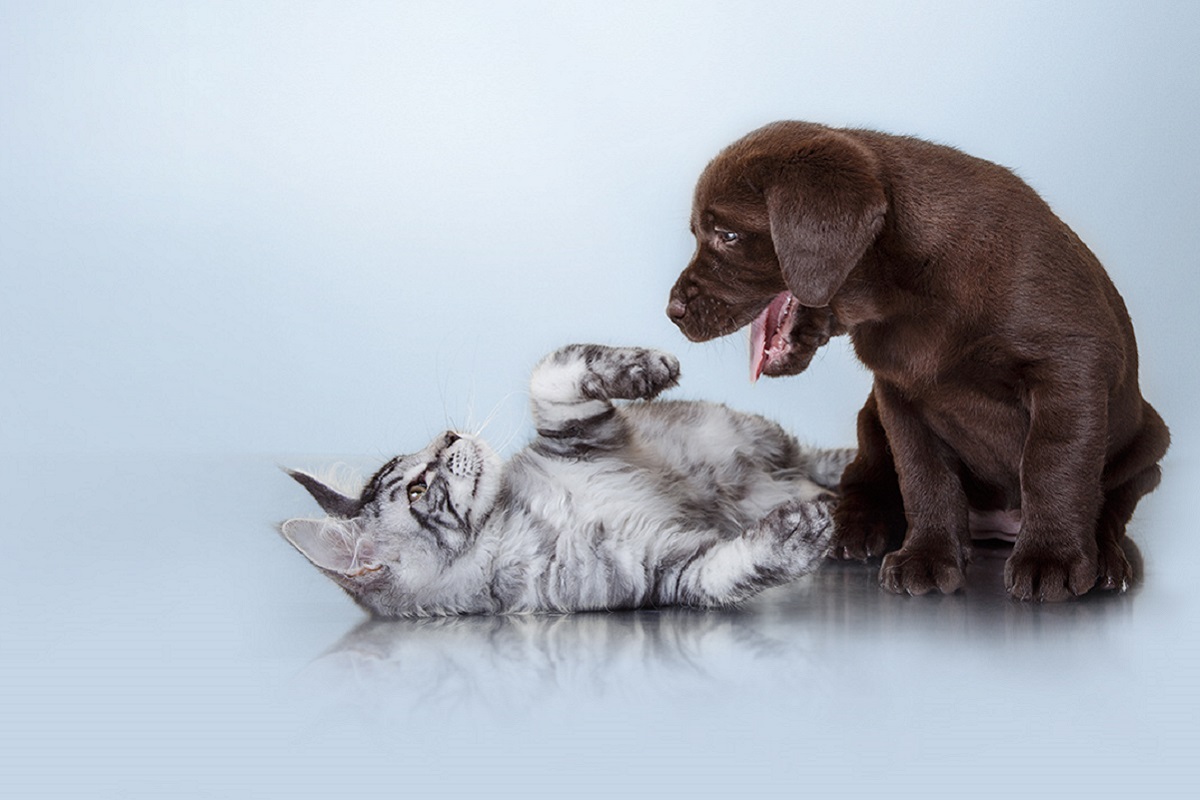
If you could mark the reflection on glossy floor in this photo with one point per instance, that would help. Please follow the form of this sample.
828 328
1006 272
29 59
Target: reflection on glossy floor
500 661
224 665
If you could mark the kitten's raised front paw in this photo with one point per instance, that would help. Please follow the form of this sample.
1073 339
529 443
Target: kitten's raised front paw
627 373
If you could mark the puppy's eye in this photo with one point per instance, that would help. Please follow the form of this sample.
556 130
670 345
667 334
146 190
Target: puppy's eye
727 237
415 491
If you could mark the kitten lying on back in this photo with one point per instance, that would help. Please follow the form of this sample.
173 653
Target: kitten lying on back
646 504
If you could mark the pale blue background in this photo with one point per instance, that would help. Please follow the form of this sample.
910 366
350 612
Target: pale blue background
240 234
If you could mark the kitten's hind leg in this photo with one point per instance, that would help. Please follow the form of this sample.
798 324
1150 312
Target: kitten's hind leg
789 543
572 390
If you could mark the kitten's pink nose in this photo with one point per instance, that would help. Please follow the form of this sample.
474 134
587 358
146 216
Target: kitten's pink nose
676 309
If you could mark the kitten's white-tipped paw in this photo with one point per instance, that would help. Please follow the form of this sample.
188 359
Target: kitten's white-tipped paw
628 373
800 531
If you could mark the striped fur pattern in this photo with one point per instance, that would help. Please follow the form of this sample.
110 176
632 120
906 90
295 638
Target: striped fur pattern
612 506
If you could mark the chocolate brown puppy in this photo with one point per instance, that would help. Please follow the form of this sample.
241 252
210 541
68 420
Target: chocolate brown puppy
1005 365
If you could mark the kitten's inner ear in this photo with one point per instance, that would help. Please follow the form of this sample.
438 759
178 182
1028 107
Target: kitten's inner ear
332 501
333 544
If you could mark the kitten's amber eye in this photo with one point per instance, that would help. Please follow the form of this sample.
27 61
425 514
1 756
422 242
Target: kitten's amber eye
415 491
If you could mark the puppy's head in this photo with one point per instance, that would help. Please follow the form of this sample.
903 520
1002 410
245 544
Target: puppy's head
781 217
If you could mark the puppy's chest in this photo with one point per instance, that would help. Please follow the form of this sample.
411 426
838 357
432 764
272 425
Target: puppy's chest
925 356
910 355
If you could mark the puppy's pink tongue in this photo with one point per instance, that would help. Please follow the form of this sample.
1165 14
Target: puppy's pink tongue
761 330
758 346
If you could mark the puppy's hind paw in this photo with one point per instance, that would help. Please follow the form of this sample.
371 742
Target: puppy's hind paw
865 528
1116 573
859 542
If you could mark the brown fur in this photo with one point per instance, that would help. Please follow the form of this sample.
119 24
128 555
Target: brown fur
1004 359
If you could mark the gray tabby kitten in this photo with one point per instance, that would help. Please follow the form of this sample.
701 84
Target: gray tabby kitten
611 507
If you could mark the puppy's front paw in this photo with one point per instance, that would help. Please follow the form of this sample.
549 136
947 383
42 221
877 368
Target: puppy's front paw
1049 574
918 571
629 373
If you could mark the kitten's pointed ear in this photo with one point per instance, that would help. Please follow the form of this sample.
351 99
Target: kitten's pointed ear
332 544
332 501
825 209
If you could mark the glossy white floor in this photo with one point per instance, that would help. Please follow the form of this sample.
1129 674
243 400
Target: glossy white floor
160 640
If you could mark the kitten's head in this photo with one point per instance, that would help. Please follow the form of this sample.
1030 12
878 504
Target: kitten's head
414 517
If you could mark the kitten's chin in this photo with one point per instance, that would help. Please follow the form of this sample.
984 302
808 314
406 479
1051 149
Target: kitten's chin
477 470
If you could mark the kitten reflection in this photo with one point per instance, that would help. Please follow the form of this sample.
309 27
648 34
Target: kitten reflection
510 662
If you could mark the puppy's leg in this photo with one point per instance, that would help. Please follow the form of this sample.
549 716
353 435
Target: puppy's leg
1113 568
1055 556
937 545
869 520
1129 476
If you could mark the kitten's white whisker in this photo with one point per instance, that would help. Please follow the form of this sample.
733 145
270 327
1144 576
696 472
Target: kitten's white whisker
470 415
494 413
501 445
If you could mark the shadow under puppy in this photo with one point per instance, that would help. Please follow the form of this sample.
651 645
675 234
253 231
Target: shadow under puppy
1004 360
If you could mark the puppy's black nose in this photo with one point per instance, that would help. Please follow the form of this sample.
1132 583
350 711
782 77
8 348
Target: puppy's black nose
676 309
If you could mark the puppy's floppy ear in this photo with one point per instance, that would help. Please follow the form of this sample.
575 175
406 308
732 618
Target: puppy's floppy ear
826 206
